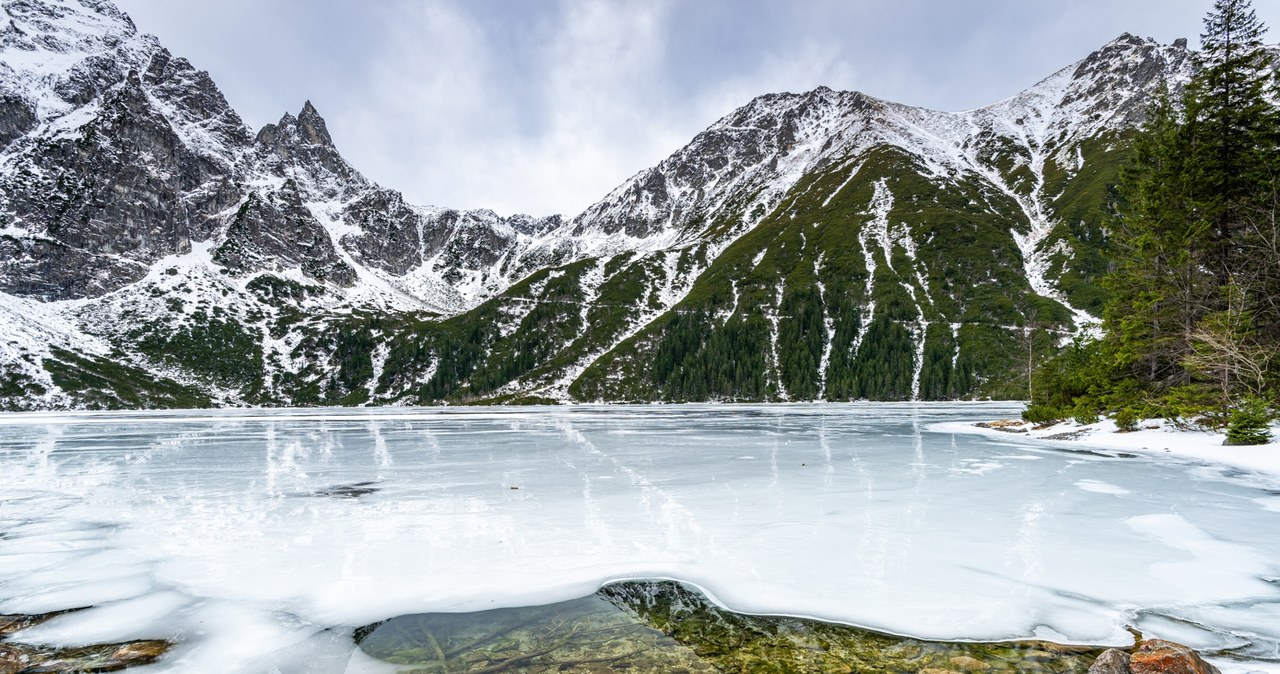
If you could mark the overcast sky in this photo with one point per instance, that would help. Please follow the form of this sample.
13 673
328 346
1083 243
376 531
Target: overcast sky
544 106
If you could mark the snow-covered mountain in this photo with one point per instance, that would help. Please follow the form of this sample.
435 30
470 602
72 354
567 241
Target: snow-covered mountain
154 251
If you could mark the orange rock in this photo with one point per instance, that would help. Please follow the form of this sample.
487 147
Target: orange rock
1157 656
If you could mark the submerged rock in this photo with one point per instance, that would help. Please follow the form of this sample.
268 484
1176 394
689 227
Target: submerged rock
24 659
663 627
965 663
353 490
578 636
18 658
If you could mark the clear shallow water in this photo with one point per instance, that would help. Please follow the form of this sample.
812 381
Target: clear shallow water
253 537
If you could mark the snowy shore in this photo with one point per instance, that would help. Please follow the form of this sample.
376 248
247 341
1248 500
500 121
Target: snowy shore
1153 437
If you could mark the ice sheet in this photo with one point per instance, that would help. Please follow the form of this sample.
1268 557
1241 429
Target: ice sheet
258 536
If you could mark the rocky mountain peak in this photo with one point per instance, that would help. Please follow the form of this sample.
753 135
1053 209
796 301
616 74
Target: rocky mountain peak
1117 81
1127 38
272 135
300 147
1106 91
197 103
311 126
292 132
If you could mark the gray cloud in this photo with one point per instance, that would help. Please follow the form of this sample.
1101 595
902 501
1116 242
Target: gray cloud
544 106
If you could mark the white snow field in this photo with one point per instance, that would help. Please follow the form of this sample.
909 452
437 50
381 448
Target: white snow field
251 537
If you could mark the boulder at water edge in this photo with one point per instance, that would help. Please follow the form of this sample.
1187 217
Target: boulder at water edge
1157 656
1112 661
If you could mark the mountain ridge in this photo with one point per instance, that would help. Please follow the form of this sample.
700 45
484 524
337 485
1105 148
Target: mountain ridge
145 221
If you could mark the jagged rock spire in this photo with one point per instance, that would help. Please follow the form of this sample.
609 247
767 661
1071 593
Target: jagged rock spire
301 148
311 126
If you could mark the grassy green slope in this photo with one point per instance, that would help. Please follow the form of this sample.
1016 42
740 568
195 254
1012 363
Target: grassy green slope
1081 204
782 313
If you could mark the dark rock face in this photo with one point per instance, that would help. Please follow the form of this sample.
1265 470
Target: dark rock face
133 157
393 235
277 232
532 226
196 98
123 188
91 78
473 242
398 238
17 117
40 267
148 158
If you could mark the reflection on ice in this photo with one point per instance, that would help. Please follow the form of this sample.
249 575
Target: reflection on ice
254 537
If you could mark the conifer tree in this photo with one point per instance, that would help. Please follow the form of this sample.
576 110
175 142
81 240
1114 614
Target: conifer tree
1232 127
1159 283
1235 163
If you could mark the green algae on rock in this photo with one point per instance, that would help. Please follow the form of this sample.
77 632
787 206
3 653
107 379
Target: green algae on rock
665 627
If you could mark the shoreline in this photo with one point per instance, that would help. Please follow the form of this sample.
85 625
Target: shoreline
1154 437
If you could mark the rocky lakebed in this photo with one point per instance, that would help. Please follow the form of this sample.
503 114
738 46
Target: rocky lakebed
647 627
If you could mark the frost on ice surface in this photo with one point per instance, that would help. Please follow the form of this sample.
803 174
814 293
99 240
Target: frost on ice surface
223 529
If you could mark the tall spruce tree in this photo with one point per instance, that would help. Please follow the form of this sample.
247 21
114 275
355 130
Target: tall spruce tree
1235 163
1232 128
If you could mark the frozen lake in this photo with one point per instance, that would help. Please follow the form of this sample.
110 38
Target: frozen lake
249 535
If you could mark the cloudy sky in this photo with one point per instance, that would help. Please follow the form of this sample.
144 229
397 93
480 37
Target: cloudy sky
543 106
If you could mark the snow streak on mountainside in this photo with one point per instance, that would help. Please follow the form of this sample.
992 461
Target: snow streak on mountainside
147 235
